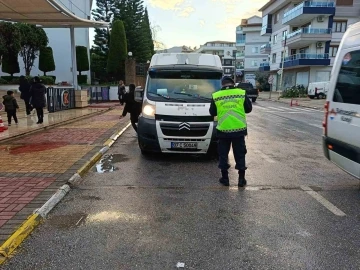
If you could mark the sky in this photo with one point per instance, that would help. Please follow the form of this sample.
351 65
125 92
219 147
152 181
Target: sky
195 22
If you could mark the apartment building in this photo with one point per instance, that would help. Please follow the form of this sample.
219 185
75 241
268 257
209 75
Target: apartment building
307 34
248 44
226 51
177 49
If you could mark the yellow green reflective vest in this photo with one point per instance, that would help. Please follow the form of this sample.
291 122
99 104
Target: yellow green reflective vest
230 110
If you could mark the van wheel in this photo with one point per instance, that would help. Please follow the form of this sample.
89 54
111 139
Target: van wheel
253 99
321 96
144 152
311 97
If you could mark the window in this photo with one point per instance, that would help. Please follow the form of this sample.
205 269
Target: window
333 50
227 70
339 26
227 62
276 17
254 63
282 55
284 33
273 58
275 39
295 28
344 2
347 89
293 51
255 50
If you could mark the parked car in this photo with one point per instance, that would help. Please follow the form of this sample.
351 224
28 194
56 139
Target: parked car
341 140
318 90
251 92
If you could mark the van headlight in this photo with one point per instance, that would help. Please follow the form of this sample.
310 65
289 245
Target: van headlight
215 119
148 111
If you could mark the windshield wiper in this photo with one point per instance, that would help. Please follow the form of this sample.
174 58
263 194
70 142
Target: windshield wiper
168 98
194 96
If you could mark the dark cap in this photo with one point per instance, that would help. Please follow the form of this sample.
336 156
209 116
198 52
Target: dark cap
227 80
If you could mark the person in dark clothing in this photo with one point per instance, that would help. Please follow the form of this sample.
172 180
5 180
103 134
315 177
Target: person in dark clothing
121 92
132 107
11 105
24 88
38 99
231 105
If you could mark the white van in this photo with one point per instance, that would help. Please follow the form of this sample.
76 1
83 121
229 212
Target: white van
176 100
318 90
341 140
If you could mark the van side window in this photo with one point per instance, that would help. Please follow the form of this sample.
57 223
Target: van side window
347 89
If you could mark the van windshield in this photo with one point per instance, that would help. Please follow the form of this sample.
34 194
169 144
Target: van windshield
191 86
347 89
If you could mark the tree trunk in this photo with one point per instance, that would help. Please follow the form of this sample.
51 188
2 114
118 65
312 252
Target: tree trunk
44 73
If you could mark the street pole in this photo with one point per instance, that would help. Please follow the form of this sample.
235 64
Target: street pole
282 67
235 67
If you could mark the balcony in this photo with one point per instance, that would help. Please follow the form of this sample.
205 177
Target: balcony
265 49
266 30
240 43
303 37
264 67
306 59
306 11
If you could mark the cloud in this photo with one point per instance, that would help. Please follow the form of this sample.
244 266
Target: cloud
166 4
186 11
202 23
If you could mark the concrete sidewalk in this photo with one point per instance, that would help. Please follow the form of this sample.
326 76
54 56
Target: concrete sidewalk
34 166
302 102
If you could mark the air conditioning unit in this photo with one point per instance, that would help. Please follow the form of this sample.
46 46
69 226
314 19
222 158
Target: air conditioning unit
320 18
319 44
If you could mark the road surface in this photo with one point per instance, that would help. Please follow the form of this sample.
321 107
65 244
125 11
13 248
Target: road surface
299 211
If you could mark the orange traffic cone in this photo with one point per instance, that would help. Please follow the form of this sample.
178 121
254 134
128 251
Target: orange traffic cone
2 127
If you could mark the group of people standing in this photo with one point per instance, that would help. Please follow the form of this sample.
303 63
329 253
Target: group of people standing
131 106
33 95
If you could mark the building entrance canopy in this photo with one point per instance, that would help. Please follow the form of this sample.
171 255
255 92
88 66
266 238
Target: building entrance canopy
47 14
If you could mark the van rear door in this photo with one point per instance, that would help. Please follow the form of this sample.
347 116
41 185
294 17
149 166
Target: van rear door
343 120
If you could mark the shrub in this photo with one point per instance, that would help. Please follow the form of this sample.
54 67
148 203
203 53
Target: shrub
46 60
3 81
82 59
49 80
294 91
10 64
54 77
82 79
9 78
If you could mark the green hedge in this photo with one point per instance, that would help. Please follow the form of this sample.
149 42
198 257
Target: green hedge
296 91
82 79
49 80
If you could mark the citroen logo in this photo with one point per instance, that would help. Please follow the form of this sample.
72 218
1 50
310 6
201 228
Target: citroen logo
184 126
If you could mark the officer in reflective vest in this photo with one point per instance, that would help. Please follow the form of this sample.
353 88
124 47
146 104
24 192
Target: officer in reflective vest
231 105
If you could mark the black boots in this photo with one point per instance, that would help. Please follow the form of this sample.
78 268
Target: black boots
242 180
224 178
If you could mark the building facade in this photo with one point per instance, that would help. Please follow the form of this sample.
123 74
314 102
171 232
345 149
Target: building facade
303 38
226 51
248 44
59 41
177 49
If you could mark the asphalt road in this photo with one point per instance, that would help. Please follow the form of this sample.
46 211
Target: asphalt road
299 211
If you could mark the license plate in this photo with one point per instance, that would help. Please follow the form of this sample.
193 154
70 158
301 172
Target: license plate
185 145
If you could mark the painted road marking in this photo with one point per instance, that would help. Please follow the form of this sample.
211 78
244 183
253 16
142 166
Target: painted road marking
281 110
332 208
264 156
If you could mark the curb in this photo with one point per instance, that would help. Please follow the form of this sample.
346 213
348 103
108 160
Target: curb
300 105
28 226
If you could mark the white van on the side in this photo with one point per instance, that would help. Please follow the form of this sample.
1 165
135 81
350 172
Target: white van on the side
318 89
341 140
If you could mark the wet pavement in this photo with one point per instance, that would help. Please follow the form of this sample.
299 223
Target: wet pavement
33 166
157 212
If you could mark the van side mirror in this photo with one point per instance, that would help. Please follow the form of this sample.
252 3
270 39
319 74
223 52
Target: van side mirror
139 95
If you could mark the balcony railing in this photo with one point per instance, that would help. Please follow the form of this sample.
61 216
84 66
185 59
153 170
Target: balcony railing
267 64
307 56
265 46
298 10
309 30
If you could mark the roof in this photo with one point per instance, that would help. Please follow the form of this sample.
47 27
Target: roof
267 5
219 41
45 13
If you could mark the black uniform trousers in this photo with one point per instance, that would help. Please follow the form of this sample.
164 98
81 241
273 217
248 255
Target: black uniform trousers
239 150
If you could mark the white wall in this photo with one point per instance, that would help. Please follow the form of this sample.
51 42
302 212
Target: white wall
252 50
277 48
59 40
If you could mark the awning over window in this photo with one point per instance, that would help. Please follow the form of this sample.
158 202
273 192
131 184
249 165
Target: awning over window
45 13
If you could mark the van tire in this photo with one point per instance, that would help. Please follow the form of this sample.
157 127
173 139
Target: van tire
144 152
321 96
